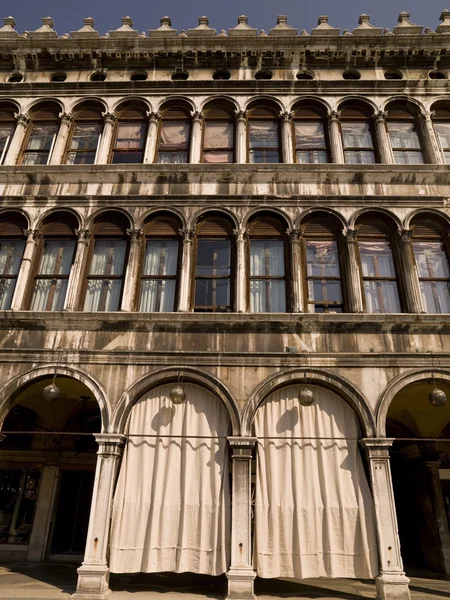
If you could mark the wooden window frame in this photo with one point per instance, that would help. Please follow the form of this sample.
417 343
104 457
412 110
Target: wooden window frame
321 118
229 121
68 149
362 118
28 134
3 277
185 119
131 121
274 118
412 119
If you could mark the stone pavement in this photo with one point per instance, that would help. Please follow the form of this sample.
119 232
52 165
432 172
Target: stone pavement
56 581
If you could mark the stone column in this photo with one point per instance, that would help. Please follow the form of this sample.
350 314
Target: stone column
392 582
196 139
383 141
185 271
17 140
355 299
241 574
61 139
93 575
43 514
241 137
337 149
104 147
241 271
414 302
439 510
152 138
129 300
432 149
296 272
77 271
23 277
288 147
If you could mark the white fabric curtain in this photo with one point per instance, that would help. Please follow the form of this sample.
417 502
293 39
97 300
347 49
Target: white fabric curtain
172 503
314 512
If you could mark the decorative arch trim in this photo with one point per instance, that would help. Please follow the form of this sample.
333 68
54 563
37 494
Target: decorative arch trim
162 210
276 212
40 220
321 209
172 374
337 384
426 211
91 219
214 211
20 211
38 373
379 211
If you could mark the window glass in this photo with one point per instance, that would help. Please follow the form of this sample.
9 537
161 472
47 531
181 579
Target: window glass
323 276
310 142
6 133
84 143
358 144
174 142
18 495
105 278
218 143
405 143
159 271
443 133
53 275
11 252
213 270
267 262
263 141
130 142
434 276
377 263
40 143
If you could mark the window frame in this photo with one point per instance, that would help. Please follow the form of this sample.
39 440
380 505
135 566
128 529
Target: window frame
406 116
363 117
3 123
122 118
28 134
320 118
216 120
77 121
265 118
187 119
3 277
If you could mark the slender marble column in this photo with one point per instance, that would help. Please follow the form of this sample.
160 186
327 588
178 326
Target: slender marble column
241 574
241 271
337 149
296 278
93 575
77 271
383 141
129 300
392 583
241 137
432 148
23 277
288 148
106 139
61 139
355 298
152 138
15 146
185 272
414 301
196 138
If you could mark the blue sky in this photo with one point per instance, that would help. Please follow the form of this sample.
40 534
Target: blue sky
68 14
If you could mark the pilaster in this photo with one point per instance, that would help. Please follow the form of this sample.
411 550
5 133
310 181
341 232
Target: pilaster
296 279
241 137
241 271
287 147
104 146
410 275
129 301
384 144
185 274
355 299
432 149
196 138
337 148
152 138
77 270
61 139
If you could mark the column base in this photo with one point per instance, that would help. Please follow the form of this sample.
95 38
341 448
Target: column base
240 584
93 583
392 586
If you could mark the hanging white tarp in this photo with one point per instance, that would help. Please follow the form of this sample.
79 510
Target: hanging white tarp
172 506
314 511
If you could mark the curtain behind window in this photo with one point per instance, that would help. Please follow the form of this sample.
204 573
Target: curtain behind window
172 502
314 511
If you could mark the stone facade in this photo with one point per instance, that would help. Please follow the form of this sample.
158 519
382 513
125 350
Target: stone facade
396 194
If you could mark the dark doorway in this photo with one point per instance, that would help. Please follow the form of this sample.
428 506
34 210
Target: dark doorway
72 514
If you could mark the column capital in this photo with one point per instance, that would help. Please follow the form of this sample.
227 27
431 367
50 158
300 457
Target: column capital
241 115
380 116
377 447
351 235
240 234
22 118
135 235
33 235
334 115
84 235
286 117
405 236
153 117
66 118
197 116
109 117
187 235
242 446
294 235
426 116
110 444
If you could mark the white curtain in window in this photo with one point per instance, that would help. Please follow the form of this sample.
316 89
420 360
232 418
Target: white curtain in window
218 135
174 135
43 288
314 512
171 506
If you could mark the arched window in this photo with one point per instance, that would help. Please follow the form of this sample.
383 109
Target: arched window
431 254
107 263
218 134
311 140
378 265
404 134
214 261
322 270
263 134
130 134
41 134
12 246
158 286
268 281
441 122
85 134
7 127
175 133
357 135
55 260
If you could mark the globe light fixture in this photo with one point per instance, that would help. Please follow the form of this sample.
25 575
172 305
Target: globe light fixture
436 397
51 392
177 395
306 397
